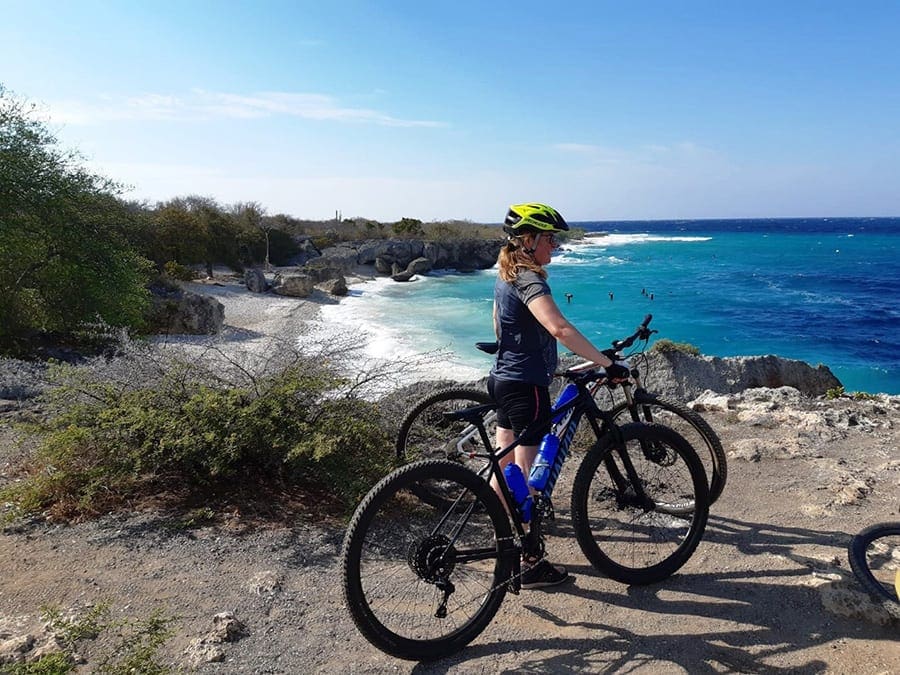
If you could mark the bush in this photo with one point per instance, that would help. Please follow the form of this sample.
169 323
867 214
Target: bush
178 271
189 427
408 227
667 346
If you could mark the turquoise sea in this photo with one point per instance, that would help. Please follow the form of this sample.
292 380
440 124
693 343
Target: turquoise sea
823 290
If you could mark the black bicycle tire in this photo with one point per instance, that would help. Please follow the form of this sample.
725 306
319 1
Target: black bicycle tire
467 396
719 474
363 616
477 396
856 552
644 433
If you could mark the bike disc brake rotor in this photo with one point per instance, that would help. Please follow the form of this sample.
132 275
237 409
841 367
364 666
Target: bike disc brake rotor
660 454
432 558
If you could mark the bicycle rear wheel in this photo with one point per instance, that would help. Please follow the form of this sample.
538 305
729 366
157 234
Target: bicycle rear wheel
632 538
425 434
422 582
874 557
691 426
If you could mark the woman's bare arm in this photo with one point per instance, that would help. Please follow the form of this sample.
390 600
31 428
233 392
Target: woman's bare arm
547 313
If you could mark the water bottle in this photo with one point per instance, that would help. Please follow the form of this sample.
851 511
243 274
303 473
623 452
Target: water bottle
516 481
543 463
567 394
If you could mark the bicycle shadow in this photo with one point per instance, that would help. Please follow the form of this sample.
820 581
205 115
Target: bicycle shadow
737 619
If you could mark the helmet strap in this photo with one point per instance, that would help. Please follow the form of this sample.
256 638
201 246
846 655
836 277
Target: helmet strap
530 251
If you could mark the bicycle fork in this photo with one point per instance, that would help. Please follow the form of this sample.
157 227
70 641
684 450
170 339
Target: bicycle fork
629 487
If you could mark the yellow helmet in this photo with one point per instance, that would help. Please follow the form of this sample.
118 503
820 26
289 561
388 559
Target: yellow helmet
533 217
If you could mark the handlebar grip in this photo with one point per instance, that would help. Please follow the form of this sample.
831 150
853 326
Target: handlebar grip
646 321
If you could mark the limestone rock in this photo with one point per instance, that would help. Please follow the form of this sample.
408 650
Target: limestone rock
419 266
179 311
255 281
336 286
684 376
295 285
460 254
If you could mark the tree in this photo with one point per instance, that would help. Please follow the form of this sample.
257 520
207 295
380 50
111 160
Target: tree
251 219
64 259
410 227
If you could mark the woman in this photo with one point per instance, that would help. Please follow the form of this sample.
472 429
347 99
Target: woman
528 325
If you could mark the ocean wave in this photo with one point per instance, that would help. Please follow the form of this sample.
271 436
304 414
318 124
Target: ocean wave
378 313
641 238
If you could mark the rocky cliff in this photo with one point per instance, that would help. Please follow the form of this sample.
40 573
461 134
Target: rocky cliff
389 254
682 376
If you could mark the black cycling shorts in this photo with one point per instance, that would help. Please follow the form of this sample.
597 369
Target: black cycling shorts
521 407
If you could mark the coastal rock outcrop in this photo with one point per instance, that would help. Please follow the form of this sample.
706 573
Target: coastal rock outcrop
335 286
255 281
295 285
177 310
685 376
385 255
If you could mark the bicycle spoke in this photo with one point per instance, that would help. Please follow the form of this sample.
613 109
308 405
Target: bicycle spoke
423 575
640 523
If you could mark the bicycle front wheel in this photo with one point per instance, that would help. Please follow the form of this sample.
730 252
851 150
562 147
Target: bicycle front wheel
421 582
695 430
875 560
640 524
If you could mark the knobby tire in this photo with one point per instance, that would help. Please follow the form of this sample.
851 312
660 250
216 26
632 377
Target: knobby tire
638 542
399 552
874 555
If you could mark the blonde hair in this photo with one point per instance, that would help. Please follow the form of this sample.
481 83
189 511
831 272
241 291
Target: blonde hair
513 258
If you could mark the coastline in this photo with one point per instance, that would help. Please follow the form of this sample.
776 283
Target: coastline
253 320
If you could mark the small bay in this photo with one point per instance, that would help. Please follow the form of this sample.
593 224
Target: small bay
823 290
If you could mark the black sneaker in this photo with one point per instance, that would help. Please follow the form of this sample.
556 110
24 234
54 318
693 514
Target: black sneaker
543 574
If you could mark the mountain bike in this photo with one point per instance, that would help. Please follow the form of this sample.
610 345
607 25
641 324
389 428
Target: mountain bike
874 555
426 432
423 577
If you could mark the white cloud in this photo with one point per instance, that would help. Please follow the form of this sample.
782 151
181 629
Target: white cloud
200 104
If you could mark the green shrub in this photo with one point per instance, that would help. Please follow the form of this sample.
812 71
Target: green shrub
134 648
408 227
178 271
191 429
54 663
666 346
833 393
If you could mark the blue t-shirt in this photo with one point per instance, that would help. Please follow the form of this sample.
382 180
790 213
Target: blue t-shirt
527 351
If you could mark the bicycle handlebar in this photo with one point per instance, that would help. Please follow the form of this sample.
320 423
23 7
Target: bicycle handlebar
641 333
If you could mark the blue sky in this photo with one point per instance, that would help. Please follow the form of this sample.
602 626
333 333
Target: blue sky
438 110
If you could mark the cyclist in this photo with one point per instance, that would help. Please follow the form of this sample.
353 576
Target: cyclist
528 324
